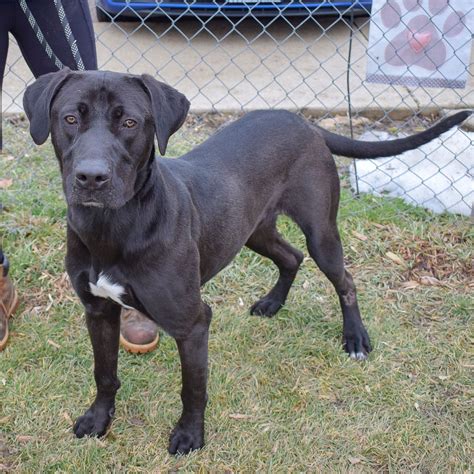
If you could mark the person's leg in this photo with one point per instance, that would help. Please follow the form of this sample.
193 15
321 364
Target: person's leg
47 29
8 296
79 18
84 33
3 59
32 39
138 333
5 26
3 262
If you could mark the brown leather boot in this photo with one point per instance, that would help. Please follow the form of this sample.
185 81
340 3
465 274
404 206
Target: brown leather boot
138 334
8 300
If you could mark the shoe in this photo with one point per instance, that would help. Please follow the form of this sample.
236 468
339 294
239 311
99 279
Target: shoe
8 300
138 334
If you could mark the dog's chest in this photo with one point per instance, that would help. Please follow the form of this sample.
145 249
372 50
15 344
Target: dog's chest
106 287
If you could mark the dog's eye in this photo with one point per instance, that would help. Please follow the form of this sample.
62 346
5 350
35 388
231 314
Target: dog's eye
129 123
71 119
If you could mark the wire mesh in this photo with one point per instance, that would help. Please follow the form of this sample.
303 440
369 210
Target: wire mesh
229 57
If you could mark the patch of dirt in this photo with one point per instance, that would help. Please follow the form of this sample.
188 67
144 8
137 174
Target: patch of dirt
6 459
432 261
211 121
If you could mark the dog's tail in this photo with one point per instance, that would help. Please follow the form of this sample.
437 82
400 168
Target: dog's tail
344 146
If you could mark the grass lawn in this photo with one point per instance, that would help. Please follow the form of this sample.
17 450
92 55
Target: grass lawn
283 396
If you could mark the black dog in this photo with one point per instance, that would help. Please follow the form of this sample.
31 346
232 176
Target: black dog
147 233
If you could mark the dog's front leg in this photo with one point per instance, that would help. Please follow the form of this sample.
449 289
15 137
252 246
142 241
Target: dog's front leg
188 433
103 323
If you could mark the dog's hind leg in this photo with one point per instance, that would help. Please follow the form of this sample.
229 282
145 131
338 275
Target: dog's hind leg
324 246
267 241
312 203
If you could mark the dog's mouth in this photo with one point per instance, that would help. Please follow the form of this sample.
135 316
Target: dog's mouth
109 198
92 204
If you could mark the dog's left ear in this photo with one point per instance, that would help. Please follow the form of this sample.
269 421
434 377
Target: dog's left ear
37 102
169 107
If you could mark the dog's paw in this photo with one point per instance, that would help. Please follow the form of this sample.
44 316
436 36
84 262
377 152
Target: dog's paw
356 343
94 422
184 440
266 307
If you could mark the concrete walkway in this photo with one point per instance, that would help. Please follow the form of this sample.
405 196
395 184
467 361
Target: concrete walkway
226 68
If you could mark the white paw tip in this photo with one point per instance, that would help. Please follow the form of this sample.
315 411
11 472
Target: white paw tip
358 356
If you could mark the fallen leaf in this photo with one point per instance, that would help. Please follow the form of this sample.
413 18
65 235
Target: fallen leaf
443 377
359 236
5 183
239 416
409 285
430 281
305 285
54 344
67 417
353 460
395 258
24 438
328 396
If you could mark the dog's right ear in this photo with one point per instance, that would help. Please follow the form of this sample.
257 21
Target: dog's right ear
37 103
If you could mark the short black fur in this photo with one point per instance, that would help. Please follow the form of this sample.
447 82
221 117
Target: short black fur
161 228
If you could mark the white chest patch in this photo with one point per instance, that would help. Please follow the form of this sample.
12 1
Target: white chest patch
106 288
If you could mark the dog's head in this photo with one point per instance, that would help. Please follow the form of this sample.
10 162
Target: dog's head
102 127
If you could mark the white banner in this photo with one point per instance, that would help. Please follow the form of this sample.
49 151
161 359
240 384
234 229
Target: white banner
420 42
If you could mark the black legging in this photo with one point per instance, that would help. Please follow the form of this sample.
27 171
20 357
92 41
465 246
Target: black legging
13 20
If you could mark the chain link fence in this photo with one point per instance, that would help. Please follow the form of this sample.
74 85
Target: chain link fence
229 57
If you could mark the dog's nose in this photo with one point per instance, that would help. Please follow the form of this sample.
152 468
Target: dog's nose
92 177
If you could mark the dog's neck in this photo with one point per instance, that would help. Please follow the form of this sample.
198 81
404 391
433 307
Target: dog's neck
108 233
144 181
